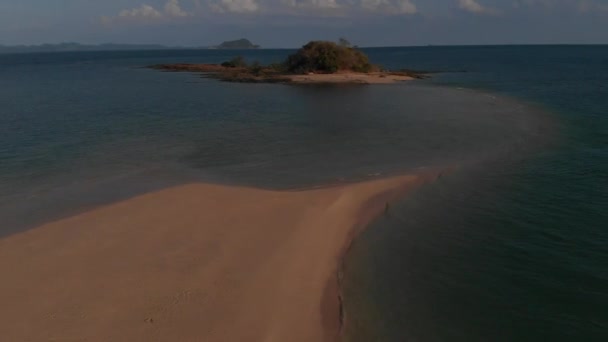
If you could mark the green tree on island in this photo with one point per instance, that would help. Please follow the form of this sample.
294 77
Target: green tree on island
316 57
327 57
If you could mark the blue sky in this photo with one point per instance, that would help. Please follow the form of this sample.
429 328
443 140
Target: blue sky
289 23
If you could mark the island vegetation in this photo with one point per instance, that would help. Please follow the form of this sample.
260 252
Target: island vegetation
315 62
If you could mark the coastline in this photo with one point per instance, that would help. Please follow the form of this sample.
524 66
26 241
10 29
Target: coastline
371 209
349 78
151 266
267 75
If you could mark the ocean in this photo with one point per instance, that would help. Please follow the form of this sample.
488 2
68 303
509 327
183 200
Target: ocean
510 244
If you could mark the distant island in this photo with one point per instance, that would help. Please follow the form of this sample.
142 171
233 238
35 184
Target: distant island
69 47
315 62
239 44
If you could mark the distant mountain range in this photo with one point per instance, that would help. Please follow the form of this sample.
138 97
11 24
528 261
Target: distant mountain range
64 47
67 47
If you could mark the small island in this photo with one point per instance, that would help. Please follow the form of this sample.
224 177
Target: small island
239 44
318 62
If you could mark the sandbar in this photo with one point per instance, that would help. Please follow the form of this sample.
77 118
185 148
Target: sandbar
198 262
349 77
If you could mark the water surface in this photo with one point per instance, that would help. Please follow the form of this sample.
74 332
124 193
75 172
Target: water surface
512 246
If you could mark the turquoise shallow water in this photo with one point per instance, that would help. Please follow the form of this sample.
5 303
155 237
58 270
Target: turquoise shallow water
512 246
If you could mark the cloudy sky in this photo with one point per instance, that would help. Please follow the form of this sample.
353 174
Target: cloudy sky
289 23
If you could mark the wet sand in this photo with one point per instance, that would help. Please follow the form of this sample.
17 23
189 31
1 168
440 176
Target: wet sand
349 77
198 262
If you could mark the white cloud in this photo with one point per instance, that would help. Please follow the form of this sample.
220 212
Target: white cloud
388 6
289 3
407 6
325 3
146 13
475 7
322 7
173 9
343 7
236 6
312 4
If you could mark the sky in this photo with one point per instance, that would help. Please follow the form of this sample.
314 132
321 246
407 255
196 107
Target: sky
291 23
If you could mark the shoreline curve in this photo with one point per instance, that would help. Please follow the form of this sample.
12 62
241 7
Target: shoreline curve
198 261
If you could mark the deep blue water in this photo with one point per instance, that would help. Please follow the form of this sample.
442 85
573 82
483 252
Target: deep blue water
510 250
512 246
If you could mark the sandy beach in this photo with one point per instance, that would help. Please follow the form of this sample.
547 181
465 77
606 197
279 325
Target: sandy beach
197 262
244 75
349 77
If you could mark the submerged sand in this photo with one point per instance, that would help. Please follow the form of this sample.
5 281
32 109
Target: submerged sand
193 263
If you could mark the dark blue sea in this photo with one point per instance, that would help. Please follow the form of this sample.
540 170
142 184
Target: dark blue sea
511 245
